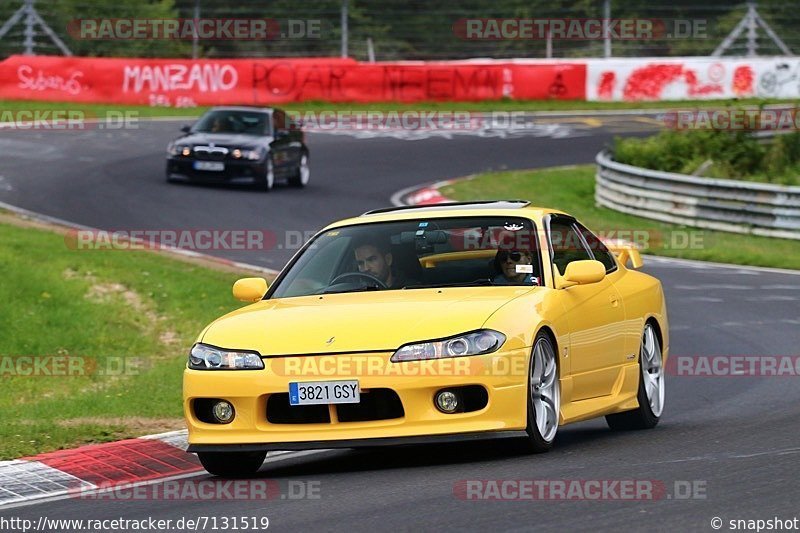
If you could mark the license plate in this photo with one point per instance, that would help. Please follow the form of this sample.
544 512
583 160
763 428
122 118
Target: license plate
324 392
214 166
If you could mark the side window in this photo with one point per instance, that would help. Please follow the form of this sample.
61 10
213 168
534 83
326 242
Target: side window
599 249
567 244
278 121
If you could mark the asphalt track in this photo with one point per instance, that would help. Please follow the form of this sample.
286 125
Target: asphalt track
734 438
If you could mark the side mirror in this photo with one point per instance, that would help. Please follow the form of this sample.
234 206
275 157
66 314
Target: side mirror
585 272
186 128
250 289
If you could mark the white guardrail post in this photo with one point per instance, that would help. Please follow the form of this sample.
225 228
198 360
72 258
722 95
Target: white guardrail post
716 204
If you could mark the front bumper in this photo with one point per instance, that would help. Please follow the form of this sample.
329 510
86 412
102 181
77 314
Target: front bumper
503 375
182 169
359 443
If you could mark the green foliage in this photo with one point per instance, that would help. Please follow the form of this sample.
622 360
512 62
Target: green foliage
732 155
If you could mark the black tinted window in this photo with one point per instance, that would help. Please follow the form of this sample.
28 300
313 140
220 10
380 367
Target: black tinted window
234 122
567 244
599 249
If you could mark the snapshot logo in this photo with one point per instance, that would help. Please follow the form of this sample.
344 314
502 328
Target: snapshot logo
330 121
734 366
202 490
578 490
59 365
67 120
195 240
182 29
572 29
734 119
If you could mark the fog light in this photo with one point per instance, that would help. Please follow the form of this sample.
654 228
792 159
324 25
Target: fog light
447 402
223 412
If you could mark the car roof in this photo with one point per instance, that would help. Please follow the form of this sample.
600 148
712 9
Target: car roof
450 210
242 108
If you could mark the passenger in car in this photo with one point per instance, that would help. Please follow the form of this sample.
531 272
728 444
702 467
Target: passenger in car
514 267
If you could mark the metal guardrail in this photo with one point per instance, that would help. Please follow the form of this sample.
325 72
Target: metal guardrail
717 204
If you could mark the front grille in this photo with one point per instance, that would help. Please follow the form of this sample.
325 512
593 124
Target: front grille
376 404
207 153
280 412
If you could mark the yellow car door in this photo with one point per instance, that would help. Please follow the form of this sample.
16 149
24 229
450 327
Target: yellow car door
595 315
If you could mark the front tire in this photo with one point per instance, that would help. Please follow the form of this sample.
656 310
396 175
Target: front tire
301 178
268 180
544 396
651 387
232 464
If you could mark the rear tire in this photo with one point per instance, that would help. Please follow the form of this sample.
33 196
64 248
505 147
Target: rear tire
232 464
544 396
651 387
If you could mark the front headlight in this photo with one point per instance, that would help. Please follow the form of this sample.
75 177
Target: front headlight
251 154
478 342
176 149
205 357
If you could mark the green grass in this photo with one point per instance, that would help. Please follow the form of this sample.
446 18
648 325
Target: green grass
571 189
59 301
100 110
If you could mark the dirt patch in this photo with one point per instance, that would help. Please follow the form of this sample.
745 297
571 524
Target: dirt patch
103 292
136 425
169 338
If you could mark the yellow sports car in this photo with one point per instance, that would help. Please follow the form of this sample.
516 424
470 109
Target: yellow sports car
430 324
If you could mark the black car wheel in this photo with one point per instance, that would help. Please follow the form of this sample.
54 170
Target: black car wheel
232 464
300 179
268 179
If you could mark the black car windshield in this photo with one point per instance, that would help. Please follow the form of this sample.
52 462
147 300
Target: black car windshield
239 122
414 254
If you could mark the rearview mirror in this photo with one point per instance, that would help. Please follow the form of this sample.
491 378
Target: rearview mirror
250 289
584 272
186 128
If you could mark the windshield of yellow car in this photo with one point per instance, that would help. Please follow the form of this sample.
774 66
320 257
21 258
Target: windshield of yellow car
415 254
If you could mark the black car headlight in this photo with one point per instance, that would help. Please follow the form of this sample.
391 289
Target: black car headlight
251 154
205 357
478 342
178 149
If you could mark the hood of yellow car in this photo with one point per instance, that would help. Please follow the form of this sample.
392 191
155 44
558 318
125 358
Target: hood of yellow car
354 322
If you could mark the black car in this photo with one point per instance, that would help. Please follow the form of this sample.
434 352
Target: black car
240 145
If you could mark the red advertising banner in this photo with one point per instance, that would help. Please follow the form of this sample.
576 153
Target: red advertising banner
186 83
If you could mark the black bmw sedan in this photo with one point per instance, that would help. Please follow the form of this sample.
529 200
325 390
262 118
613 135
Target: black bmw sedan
240 145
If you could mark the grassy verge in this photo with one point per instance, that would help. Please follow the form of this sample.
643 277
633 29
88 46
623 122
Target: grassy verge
120 323
571 189
501 105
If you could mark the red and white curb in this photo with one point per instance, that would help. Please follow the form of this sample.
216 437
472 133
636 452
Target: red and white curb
94 466
424 194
